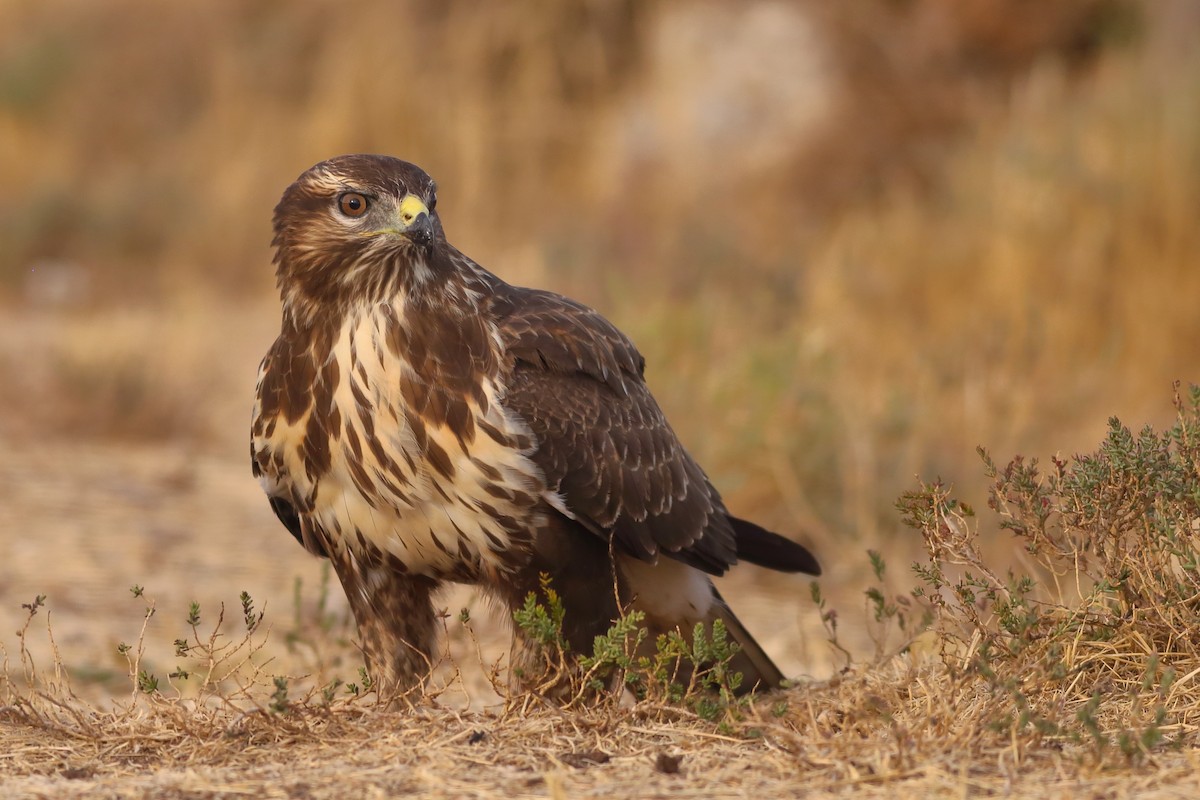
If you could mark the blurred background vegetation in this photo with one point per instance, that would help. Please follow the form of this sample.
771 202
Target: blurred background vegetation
854 240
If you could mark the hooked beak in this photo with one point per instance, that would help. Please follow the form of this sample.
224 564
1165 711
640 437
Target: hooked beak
414 221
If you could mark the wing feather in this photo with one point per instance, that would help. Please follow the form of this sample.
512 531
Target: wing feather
603 442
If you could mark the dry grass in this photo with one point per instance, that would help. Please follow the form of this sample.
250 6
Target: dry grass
1076 675
919 227
1073 672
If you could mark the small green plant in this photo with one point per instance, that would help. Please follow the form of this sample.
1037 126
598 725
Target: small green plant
690 670
147 683
329 691
364 685
1113 544
142 680
252 619
829 621
279 698
711 686
892 611
613 661
31 675
542 620
222 666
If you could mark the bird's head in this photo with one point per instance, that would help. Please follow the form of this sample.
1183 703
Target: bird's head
352 226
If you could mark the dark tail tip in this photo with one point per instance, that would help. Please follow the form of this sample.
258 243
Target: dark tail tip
760 546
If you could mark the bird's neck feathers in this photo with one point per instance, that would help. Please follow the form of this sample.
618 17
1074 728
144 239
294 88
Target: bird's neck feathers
439 278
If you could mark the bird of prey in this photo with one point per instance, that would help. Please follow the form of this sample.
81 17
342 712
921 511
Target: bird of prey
419 421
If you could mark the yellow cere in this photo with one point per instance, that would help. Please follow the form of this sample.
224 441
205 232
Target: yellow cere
411 207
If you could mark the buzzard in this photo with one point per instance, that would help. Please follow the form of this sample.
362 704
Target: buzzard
419 421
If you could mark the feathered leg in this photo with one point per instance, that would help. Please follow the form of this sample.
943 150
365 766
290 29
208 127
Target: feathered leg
579 570
396 623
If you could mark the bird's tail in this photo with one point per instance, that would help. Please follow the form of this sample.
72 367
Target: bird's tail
760 546
759 672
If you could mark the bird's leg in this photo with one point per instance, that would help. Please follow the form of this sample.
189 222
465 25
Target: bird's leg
578 568
396 623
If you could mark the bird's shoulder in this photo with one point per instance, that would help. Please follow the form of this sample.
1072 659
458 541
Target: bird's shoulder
546 331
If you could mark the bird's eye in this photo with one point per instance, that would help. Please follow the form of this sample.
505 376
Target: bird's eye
352 204
433 201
